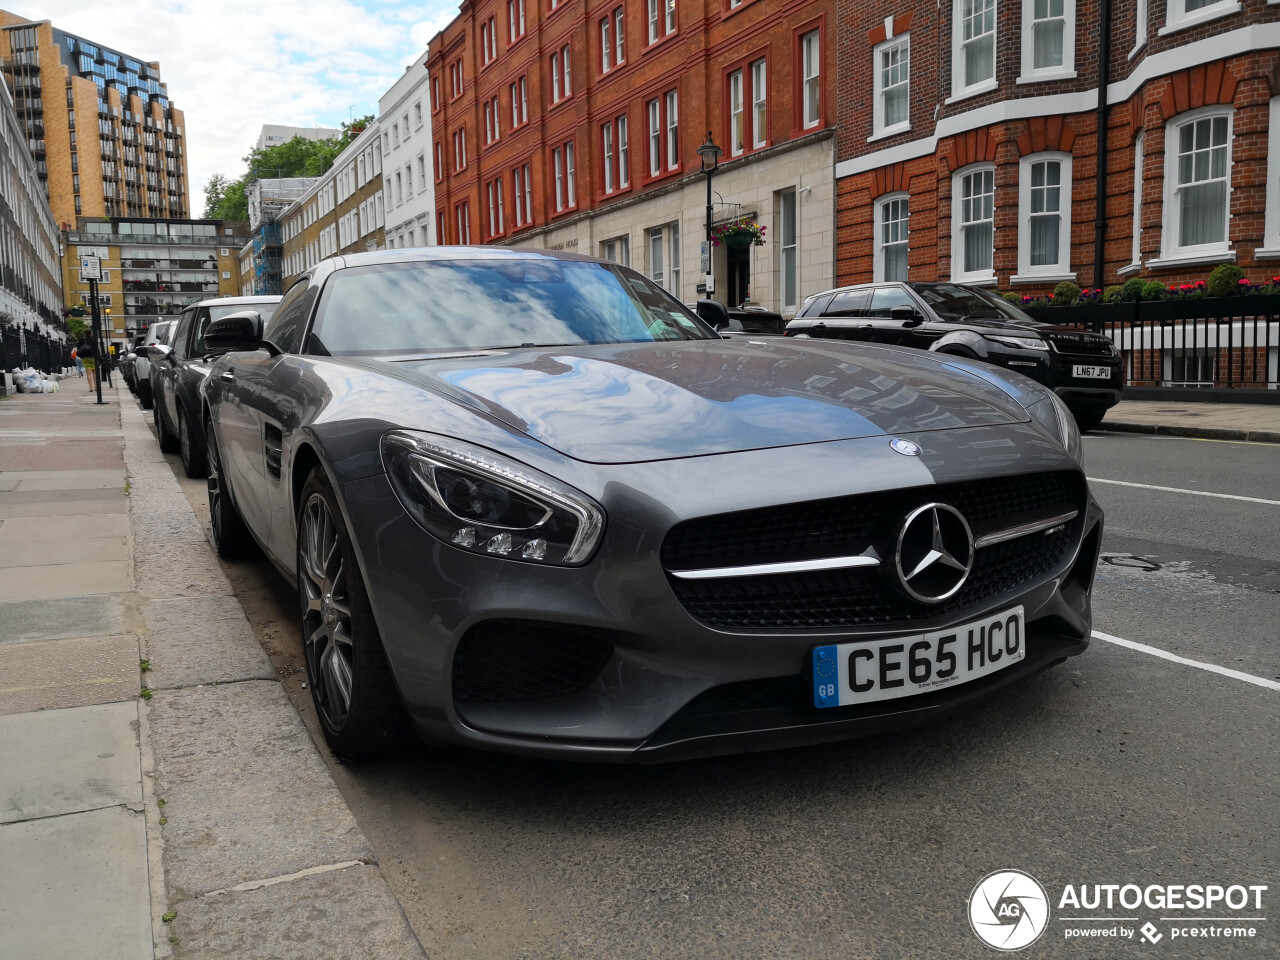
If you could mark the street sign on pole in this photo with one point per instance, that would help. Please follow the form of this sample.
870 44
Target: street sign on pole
706 257
90 269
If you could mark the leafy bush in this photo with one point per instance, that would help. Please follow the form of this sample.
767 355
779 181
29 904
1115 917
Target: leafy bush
1153 290
1012 297
1132 289
1113 294
1065 293
1225 279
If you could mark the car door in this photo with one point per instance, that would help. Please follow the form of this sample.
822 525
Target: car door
253 422
844 317
885 328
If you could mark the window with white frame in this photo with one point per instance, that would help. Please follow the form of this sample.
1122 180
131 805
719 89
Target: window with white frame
1139 26
673 130
607 156
463 214
624 159
556 94
1048 39
737 133
1271 220
606 43
618 250
673 259
974 51
1184 13
494 194
669 19
891 108
759 104
488 122
1135 256
973 223
656 244
519 102
515 19
1044 216
788 261
653 6
662 18
619 46
1197 183
439 160
562 172
891 238
565 60
811 56
655 137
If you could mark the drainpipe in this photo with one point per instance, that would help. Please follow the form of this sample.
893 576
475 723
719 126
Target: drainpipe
1100 214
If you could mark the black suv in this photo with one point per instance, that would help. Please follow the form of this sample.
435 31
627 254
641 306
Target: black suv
1084 369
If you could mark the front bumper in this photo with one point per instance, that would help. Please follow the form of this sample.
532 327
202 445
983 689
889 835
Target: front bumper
672 687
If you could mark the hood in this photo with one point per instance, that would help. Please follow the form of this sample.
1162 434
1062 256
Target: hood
623 403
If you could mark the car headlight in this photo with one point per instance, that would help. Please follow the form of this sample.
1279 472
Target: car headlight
1052 414
1025 343
477 500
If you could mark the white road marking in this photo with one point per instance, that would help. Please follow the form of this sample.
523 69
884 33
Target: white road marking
1198 493
1211 667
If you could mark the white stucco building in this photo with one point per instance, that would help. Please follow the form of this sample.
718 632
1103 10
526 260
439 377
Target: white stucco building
408 175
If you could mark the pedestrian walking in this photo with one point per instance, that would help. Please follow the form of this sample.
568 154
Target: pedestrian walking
75 355
86 354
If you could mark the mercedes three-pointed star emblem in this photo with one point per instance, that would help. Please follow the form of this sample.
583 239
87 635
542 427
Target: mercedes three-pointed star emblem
934 553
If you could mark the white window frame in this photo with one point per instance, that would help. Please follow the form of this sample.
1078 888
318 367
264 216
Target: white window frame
1067 69
619 39
624 154
1171 250
669 17
654 110
566 58
737 114
570 179
959 88
788 253
811 78
657 244
958 273
556 96
877 239
1140 18
653 19
759 103
1135 250
606 43
673 258
878 127
671 101
1044 272
1271 226
1177 17
606 153
528 193
557 168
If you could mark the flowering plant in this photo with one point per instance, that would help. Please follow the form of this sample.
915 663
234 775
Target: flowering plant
736 227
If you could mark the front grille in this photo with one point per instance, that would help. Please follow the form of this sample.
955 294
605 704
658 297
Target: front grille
1081 344
864 597
521 660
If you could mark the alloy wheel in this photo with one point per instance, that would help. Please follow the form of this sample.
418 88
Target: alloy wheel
326 610
213 482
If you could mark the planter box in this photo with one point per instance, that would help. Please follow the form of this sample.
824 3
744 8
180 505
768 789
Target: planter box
1094 316
1097 316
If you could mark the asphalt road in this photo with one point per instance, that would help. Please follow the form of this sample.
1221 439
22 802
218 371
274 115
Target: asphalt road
1118 767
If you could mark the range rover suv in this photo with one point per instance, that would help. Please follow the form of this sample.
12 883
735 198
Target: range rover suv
1082 368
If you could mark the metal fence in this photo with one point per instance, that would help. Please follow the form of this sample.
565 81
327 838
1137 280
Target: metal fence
12 350
1223 342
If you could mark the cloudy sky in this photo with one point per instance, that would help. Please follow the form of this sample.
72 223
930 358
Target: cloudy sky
234 65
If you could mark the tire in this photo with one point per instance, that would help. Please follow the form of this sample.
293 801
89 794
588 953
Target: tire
193 458
351 685
168 442
231 538
1088 418
144 394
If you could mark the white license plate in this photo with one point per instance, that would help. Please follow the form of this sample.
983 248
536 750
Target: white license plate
866 671
1084 371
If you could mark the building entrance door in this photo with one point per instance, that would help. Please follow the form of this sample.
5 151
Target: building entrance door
739 263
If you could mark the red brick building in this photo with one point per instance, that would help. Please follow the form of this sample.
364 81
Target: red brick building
574 124
968 143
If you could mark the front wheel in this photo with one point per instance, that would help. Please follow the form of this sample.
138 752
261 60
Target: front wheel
231 538
144 394
350 680
168 443
193 458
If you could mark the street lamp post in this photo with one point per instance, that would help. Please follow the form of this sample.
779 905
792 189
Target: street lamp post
709 153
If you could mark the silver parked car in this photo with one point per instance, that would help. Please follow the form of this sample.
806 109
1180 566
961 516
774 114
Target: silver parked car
533 503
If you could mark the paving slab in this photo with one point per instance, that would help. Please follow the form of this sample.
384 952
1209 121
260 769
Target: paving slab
62 453
54 552
179 570
62 480
65 580
114 494
347 914
51 674
75 887
54 762
165 521
63 508
53 619
277 810
202 640
34 530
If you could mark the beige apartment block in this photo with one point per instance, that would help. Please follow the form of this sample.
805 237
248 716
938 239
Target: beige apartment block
99 124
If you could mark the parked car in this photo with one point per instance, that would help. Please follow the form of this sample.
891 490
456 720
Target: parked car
1082 368
157 333
179 366
533 501
127 361
755 321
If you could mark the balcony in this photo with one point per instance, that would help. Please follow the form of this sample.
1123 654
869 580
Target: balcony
36 147
25 58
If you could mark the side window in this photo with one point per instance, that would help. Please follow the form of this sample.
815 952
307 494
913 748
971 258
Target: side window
885 299
198 348
182 339
851 303
285 327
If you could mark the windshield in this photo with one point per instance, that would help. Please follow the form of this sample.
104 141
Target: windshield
481 304
952 302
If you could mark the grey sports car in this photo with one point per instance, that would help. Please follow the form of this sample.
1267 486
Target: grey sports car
535 505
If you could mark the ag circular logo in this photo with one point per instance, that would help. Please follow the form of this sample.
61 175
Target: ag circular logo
1008 910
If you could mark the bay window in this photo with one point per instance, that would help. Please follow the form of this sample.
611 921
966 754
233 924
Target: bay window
1044 216
973 223
890 260
1197 184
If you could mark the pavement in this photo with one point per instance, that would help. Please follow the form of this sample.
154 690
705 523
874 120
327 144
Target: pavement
1259 422
159 795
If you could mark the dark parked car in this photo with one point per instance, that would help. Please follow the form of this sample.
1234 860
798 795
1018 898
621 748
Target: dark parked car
533 502
1084 369
180 366
127 362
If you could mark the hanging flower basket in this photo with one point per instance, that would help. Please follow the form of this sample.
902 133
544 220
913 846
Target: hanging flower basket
739 233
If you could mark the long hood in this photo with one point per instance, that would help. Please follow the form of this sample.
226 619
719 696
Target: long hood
624 403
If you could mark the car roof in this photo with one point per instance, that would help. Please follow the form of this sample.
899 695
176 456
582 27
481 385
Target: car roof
452 252
220 301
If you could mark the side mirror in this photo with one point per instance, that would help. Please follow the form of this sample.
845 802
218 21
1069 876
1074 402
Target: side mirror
714 313
158 351
906 314
237 332
141 350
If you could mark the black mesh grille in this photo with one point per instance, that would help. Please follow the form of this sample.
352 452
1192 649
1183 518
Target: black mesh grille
515 660
864 597
1081 345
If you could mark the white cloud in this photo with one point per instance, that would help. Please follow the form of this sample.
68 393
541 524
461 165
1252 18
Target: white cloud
235 65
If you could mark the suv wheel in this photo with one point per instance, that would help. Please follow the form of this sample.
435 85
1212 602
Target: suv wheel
168 443
193 458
